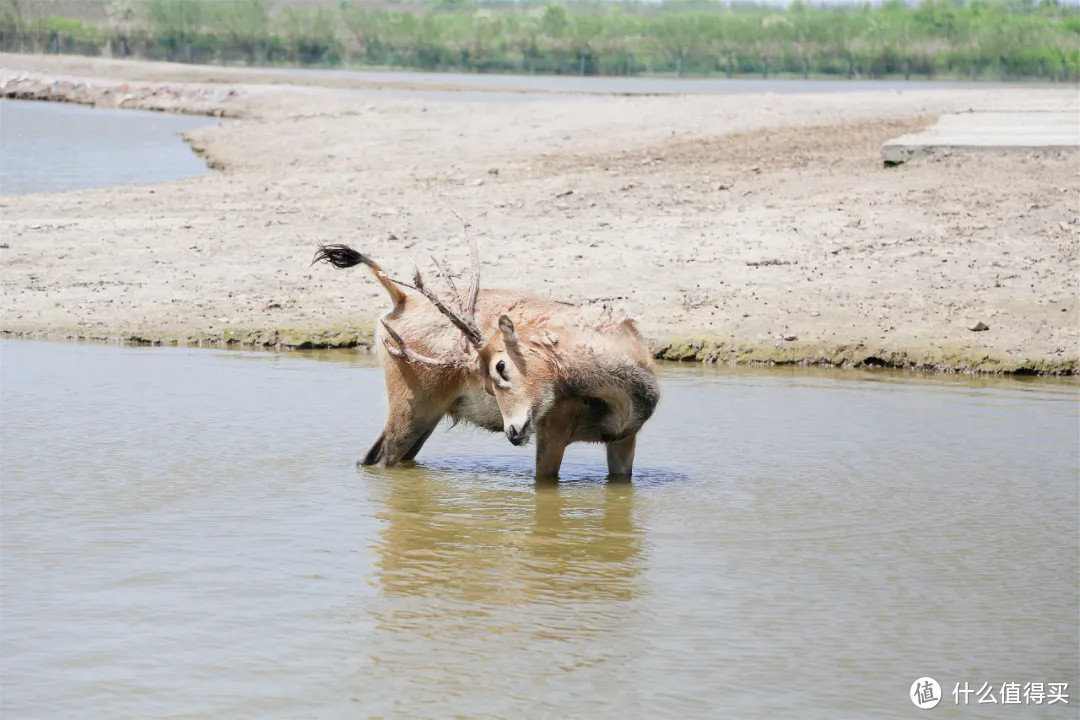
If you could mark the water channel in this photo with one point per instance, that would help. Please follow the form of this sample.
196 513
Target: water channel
185 534
52 147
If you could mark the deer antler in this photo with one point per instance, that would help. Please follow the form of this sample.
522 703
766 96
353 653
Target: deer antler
463 318
450 282
403 350
474 263
462 322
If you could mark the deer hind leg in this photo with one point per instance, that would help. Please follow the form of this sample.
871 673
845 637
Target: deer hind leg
620 457
375 454
404 434
416 446
415 408
399 441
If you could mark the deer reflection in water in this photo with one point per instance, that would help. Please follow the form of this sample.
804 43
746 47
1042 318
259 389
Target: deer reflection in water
502 545
482 586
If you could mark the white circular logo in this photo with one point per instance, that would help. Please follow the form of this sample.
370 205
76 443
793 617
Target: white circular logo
925 693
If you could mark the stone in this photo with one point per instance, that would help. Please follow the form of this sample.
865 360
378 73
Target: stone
975 131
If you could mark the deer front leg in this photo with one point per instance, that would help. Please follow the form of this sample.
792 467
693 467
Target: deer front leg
550 446
620 457
553 435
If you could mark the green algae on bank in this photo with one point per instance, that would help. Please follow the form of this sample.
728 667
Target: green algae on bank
699 349
852 355
282 338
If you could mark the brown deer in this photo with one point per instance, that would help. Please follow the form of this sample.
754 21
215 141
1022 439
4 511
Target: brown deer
505 362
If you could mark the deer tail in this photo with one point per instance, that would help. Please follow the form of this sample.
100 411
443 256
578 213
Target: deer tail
343 256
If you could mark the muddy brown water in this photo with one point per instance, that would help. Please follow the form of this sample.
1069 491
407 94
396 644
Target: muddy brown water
184 534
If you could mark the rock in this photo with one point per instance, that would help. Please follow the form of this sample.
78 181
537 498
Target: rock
790 338
978 327
770 261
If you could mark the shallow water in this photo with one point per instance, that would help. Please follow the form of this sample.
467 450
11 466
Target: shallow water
184 534
51 147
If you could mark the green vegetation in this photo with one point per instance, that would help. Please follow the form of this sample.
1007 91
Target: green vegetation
992 39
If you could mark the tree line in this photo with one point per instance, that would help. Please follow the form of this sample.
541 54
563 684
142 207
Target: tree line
994 39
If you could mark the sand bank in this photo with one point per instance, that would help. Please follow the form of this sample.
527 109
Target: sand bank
737 228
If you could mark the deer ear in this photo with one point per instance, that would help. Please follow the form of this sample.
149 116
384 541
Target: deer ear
506 325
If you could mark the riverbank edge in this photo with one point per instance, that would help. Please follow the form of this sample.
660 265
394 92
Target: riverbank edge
136 68
185 92
177 98
703 349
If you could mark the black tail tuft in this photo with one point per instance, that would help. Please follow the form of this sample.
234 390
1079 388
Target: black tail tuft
341 256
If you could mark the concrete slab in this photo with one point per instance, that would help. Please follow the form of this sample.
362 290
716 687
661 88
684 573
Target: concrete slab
989 130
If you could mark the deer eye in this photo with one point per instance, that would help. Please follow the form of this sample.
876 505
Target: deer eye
500 367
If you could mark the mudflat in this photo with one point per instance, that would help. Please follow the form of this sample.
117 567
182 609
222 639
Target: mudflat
736 227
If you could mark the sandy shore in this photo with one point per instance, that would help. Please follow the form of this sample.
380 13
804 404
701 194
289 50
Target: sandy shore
724 223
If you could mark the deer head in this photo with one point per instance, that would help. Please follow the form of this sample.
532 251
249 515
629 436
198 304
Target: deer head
520 374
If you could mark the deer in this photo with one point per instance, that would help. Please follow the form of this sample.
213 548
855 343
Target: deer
523 365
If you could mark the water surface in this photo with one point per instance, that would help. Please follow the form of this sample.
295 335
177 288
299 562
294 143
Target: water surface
184 534
51 147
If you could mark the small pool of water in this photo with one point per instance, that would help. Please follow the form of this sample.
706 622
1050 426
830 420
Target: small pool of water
184 534
52 147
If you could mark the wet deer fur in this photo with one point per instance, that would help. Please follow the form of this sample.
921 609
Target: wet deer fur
506 362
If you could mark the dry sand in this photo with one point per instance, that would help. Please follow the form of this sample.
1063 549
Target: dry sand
724 223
